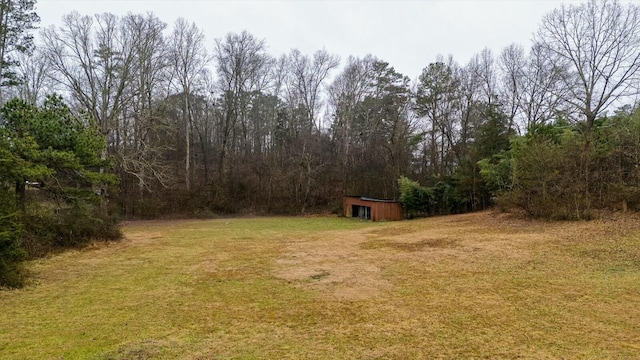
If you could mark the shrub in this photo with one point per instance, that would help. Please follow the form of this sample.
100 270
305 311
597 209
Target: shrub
11 252
11 256
66 228
415 199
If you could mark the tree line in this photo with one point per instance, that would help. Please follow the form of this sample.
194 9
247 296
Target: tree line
196 127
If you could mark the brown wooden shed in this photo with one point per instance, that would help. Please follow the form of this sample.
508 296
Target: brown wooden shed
372 209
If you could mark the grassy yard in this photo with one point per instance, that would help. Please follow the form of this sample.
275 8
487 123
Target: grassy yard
468 286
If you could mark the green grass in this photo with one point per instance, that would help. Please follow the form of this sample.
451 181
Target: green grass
467 286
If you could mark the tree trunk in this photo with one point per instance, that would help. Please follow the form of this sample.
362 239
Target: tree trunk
187 138
21 195
5 9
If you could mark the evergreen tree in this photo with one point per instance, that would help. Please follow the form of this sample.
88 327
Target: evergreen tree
17 19
50 160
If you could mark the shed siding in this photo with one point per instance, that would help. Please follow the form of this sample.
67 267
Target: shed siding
380 210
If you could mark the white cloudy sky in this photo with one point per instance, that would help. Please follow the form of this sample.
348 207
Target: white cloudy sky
407 34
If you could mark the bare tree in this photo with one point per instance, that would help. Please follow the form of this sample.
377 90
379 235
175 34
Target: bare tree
140 154
307 75
346 91
532 88
92 60
483 68
512 62
189 58
598 42
242 66
35 82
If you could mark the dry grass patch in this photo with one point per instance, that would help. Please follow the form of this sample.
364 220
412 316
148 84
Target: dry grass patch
468 286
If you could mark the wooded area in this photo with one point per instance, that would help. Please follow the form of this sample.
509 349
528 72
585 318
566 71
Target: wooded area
195 127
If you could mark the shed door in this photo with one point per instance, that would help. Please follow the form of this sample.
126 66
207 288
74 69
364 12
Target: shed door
360 211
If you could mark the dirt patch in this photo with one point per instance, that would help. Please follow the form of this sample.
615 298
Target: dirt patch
149 349
335 265
394 230
410 246
349 265
141 238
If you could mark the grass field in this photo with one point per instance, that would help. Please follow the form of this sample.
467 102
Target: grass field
468 286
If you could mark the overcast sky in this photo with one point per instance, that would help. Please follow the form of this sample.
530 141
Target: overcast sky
407 34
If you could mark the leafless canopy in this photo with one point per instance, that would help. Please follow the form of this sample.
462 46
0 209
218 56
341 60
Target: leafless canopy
598 43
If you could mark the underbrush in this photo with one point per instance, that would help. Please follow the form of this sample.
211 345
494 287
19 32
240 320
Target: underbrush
49 230
44 230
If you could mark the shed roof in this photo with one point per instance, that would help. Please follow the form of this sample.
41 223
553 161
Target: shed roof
364 198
